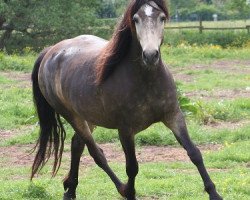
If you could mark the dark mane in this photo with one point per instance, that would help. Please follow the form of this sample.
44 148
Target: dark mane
118 46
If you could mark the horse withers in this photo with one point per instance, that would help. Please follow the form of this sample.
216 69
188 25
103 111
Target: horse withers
119 84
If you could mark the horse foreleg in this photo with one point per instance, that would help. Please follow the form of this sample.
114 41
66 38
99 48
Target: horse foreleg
178 126
127 141
71 181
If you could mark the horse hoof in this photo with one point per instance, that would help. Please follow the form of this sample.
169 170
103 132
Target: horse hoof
217 197
65 197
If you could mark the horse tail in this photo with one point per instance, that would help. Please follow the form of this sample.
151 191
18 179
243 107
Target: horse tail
52 133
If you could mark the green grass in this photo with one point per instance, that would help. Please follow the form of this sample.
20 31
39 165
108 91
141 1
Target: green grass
173 181
16 62
185 55
228 166
16 104
4 81
210 80
224 39
228 110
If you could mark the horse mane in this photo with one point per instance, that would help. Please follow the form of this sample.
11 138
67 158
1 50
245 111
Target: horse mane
119 45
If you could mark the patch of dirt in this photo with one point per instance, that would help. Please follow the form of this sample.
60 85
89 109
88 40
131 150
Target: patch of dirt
6 134
219 94
233 66
23 79
183 77
18 155
227 125
238 66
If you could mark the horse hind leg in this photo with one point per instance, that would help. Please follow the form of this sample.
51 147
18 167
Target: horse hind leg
178 127
83 130
71 181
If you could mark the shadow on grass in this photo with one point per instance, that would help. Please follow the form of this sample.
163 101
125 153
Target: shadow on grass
36 192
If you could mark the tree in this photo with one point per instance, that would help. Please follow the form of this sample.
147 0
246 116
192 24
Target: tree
240 7
205 12
208 1
181 8
36 22
107 10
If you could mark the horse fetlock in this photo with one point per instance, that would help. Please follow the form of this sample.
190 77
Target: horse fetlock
69 183
70 189
211 190
125 191
122 190
68 197
215 197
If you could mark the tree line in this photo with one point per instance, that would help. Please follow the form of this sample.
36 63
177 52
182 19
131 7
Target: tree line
37 23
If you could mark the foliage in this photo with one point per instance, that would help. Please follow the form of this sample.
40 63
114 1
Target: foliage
223 39
17 62
188 107
193 9
240 8
37 24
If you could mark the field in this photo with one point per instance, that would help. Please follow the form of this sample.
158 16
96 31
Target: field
212 24
215 86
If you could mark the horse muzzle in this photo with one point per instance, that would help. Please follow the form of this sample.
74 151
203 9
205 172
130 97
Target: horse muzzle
150 57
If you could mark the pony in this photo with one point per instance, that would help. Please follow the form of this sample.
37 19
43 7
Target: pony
119 84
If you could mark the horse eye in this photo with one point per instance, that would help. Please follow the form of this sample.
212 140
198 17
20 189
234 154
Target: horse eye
163 19
135 19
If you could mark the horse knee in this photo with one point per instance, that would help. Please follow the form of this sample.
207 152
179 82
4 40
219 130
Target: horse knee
195 156
98 157
132 170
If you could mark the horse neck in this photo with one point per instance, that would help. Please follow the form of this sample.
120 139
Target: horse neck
135 51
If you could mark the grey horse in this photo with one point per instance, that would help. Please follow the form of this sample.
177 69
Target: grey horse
119 84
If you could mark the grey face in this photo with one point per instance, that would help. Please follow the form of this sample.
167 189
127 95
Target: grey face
149 23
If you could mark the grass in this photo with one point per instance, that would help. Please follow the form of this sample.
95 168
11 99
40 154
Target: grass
228 166
16 104
178 180
186 55
210 80
16 62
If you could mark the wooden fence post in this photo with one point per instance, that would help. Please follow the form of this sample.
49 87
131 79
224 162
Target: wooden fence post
248 29
200 27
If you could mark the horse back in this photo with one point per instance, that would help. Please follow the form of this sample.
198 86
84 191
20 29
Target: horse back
67 72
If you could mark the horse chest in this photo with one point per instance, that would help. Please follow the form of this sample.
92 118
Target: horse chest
143 108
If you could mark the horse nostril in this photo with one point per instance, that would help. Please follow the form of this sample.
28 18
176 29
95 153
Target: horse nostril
150 56
156 54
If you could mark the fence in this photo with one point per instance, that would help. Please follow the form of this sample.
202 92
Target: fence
201 28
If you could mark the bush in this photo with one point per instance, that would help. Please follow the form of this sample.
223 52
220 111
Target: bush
16 62
223 39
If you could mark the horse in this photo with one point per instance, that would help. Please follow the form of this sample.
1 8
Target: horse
119 84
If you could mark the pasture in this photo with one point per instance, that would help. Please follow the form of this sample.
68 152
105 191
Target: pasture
216 84
212 24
